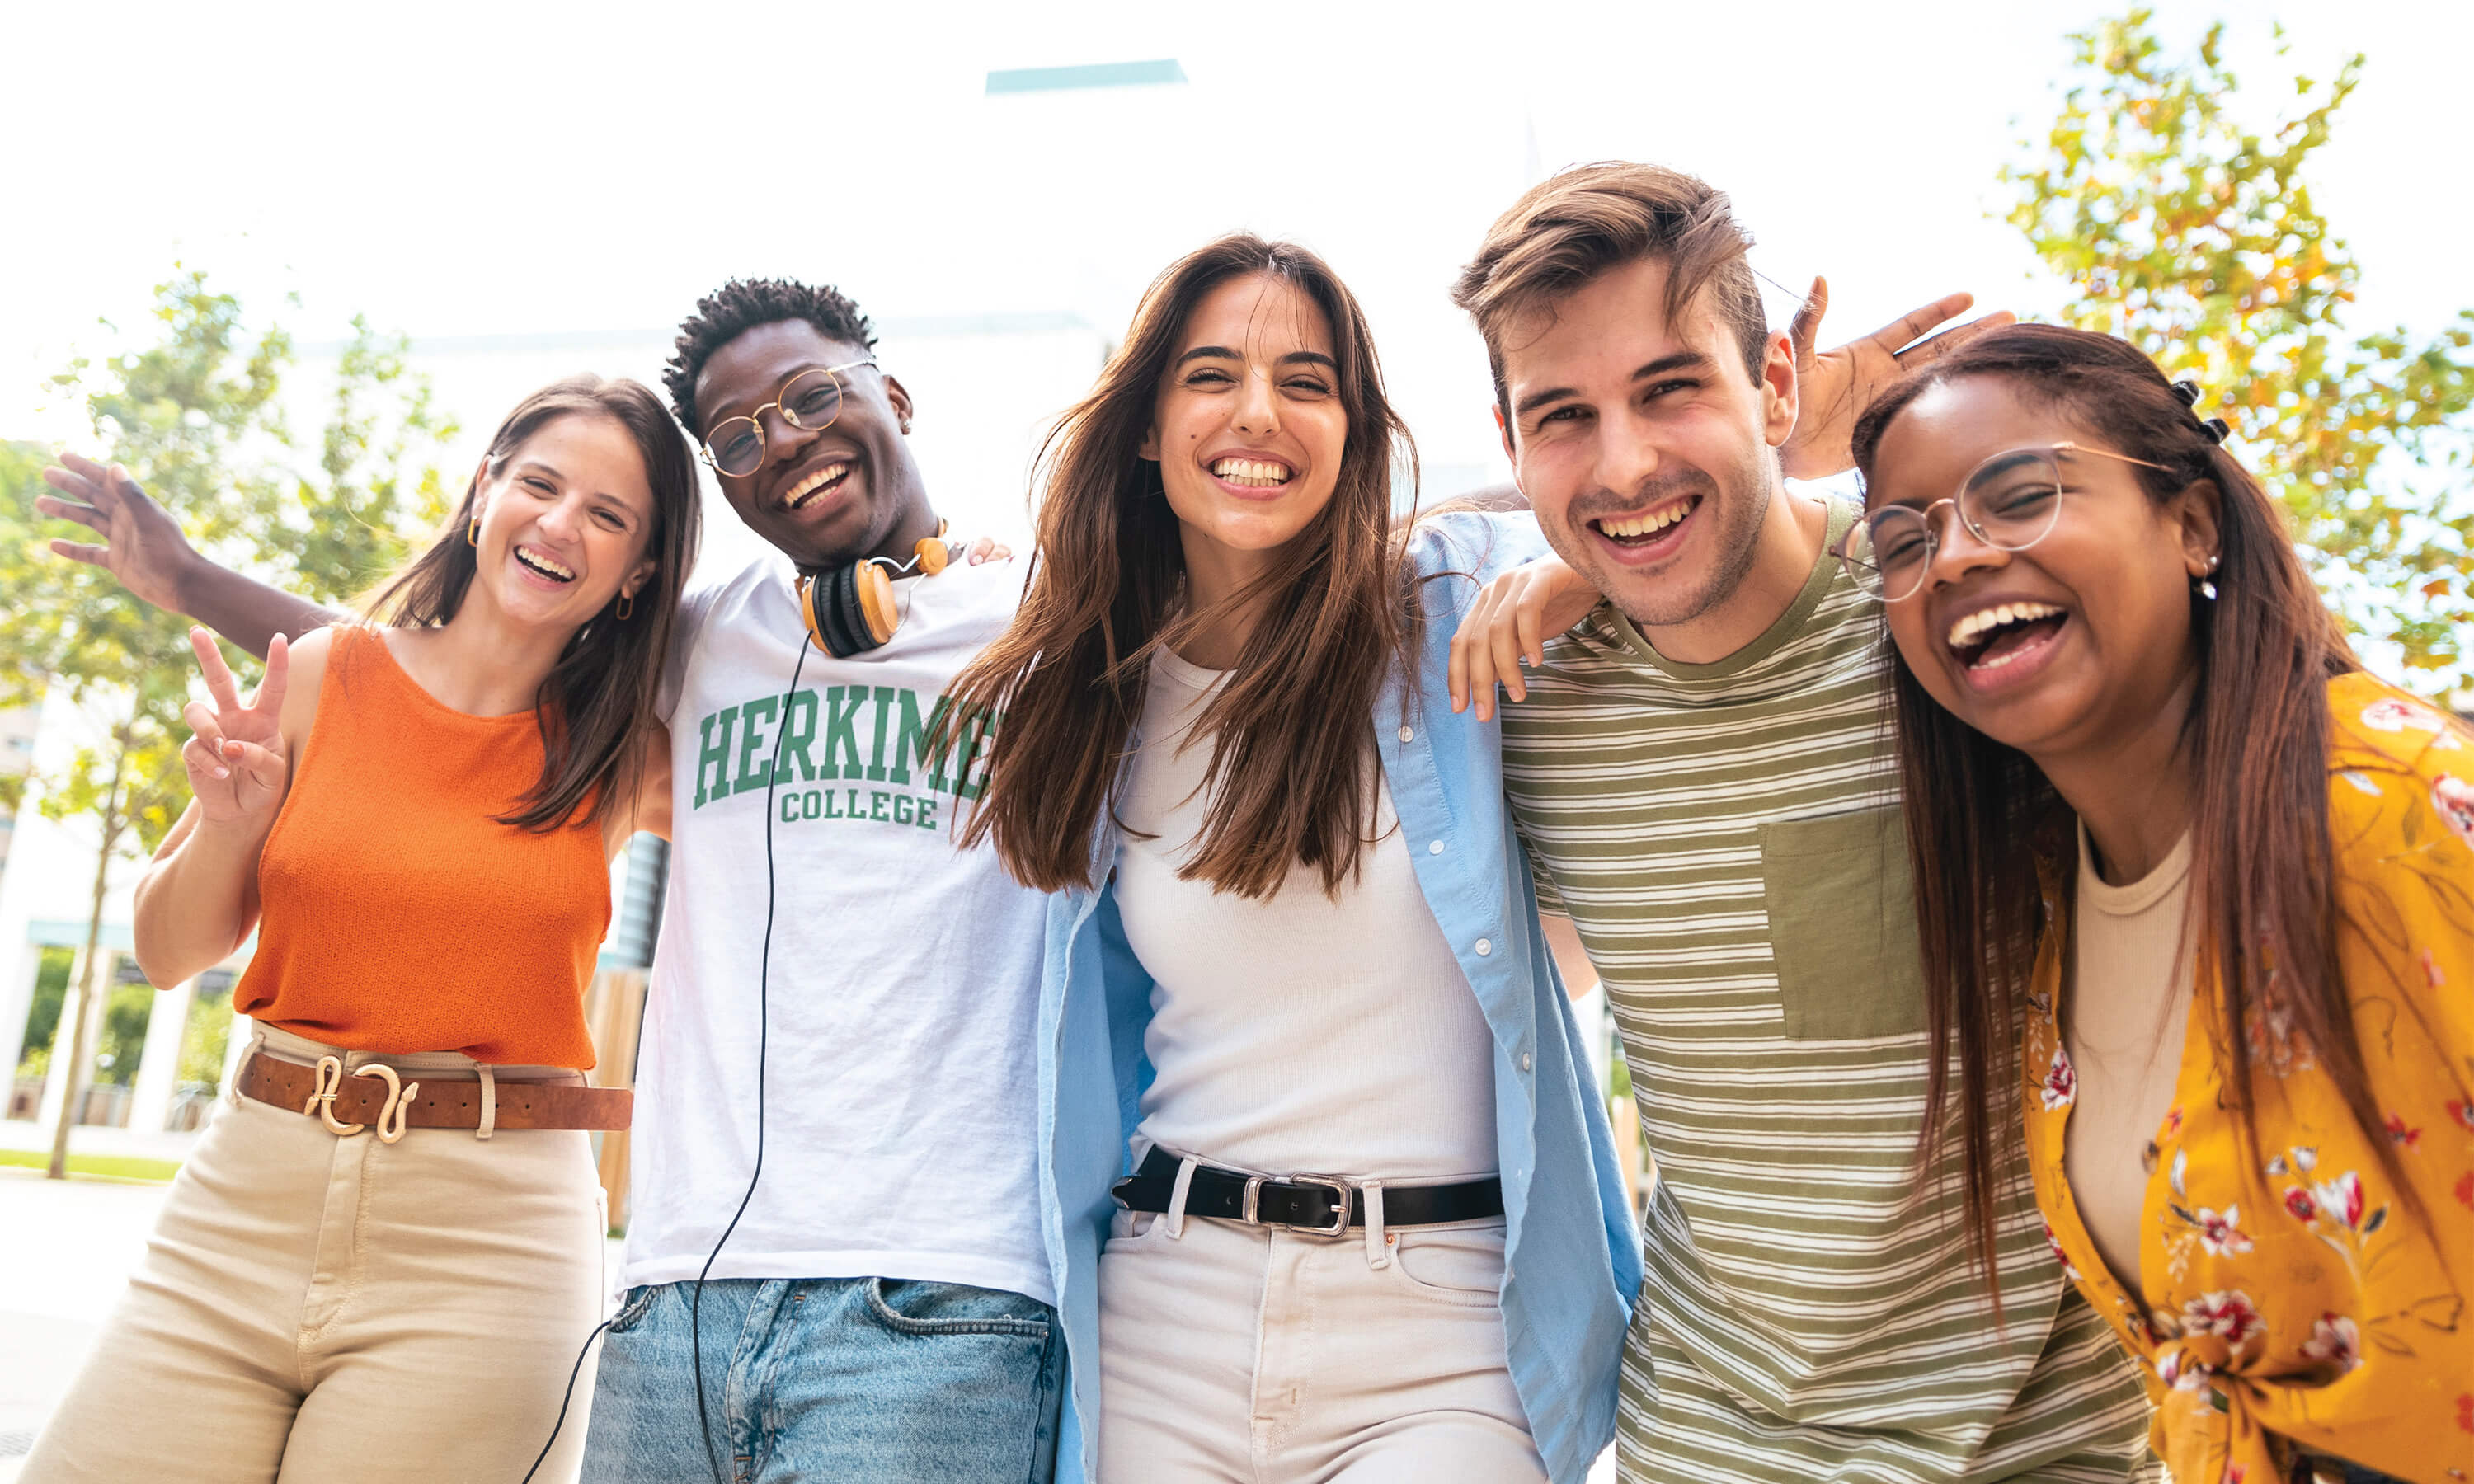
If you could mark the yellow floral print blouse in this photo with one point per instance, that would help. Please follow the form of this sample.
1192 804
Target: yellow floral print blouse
2290 1293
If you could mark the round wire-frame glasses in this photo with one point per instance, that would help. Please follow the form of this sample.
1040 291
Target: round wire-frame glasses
808 402
2009 502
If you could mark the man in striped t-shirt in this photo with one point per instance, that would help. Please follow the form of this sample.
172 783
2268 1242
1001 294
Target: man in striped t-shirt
1701 771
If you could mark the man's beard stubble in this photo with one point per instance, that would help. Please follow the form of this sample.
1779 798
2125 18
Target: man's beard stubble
1676 598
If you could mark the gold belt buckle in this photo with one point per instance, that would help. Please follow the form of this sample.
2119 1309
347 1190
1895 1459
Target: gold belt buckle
391 1114
322 1101
399 1092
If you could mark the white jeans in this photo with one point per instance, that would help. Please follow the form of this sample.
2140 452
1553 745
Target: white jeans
1260 1354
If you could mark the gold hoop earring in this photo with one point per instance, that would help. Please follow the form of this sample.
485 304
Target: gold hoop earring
473 534
627 605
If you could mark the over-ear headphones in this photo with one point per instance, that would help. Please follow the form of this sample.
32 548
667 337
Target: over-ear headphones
849 610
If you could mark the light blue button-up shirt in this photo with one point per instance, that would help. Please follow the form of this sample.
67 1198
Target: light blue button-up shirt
1572 1258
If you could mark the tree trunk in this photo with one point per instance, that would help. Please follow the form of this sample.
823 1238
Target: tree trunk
81 1048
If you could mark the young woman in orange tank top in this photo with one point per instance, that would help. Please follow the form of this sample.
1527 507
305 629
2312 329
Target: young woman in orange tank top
382 1258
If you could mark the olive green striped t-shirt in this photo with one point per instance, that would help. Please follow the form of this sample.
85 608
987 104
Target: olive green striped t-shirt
1727 839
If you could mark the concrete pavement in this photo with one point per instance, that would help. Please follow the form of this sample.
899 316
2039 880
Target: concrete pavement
66 1249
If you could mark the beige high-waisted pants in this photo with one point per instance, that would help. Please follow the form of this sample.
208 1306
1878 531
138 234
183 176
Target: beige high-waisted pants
1244 1355
313 1308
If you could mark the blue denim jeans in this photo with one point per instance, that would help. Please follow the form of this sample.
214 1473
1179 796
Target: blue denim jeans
829 1378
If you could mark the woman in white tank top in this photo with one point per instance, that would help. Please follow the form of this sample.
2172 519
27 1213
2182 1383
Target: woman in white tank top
1327 1024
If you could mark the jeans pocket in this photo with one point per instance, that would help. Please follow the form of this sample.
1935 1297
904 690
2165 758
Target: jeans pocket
1841 900
633 1308
909 1307
1460 1265
1126 1227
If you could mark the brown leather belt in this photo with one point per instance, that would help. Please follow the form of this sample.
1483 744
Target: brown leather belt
369 1097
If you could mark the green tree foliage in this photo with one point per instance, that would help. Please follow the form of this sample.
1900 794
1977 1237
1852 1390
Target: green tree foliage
207 1037
196 419
354 524
195 415
2185 229
126 1009
43 1014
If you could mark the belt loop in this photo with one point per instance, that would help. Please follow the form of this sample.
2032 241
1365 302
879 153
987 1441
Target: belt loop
489 1101
1176 1216
240 1068
1378 1244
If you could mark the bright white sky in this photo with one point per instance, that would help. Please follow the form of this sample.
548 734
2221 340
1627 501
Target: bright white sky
458 169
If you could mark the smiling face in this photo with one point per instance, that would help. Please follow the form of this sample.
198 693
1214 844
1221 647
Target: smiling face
2085 637
1247 426
1643 446
828 495
565 521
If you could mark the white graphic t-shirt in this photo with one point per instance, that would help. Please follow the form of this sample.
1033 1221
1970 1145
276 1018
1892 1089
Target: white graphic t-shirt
901 1122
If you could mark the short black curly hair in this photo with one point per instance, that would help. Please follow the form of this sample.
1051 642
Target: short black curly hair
740 306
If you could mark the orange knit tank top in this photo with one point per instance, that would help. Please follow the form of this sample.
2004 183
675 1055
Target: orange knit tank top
397 914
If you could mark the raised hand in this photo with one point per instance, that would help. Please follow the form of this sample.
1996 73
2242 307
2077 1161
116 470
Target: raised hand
236 761
1835 387
1510 620
142 547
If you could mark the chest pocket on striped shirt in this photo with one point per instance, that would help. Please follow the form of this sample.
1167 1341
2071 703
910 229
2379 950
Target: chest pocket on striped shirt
1842 913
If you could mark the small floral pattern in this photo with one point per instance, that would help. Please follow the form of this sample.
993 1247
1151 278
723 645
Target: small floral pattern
2453 798
2061 1082
2218 1235
2271 1278
2335 1341
2388 713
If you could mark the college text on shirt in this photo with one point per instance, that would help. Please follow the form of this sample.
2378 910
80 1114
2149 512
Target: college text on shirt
834 741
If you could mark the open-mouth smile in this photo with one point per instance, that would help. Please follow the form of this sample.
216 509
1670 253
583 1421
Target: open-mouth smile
535 561
815 485
1252 474
1991 641
1650 534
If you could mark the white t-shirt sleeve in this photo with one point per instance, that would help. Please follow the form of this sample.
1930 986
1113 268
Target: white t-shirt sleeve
693 607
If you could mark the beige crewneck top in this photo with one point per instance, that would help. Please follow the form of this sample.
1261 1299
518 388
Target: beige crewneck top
2129 1000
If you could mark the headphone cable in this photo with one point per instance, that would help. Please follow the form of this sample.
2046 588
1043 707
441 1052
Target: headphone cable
764 973
763 969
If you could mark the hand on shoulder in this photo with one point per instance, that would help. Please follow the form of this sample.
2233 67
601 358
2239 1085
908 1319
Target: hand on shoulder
1508 626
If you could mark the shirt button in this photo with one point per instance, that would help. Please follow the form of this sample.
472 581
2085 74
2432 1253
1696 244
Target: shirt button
1434 848
1408 734
1524 1061
1485 947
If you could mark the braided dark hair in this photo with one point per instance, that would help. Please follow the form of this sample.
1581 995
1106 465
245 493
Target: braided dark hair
740 306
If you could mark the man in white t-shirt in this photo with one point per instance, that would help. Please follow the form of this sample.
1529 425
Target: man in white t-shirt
881 1308
837 990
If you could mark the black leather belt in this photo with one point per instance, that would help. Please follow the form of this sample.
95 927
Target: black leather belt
1311 1202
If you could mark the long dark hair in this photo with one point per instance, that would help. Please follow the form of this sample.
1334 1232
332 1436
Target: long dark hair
1983 820
596 705
1291 750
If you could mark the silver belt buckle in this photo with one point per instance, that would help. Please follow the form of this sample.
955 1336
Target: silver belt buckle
1339 1190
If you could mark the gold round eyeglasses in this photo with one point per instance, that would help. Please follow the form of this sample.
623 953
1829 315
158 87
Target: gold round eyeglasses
2009 502
808 402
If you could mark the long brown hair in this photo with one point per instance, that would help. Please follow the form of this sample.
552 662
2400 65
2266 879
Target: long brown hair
596 705
1291 750
1983 820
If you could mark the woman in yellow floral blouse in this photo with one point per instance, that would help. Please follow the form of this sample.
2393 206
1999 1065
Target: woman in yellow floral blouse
2202 891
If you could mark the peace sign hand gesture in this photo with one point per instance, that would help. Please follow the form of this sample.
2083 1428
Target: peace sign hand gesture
236 761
